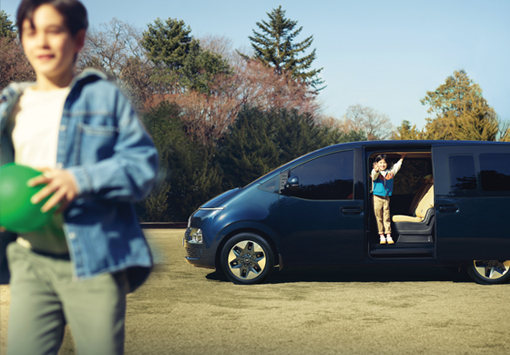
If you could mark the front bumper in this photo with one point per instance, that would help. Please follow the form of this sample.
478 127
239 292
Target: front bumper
193 250
199 240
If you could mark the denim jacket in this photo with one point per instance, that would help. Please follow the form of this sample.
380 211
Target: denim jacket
114 162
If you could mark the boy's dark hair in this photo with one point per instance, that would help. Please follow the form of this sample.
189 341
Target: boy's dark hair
380 157
73 11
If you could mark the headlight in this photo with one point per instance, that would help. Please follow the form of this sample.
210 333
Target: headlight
195 236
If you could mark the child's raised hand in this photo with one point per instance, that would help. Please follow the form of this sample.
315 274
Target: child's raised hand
59 183
375 166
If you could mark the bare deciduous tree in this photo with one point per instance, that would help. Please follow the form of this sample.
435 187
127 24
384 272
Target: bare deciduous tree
221 45
375 124
14 64
259 86
115 49
111 46
504 130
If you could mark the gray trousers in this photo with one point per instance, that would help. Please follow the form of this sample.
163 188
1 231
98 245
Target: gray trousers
44 298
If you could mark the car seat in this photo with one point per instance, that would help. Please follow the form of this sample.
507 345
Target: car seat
424 186
418 228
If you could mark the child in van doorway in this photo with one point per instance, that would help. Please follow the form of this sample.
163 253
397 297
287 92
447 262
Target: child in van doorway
382 187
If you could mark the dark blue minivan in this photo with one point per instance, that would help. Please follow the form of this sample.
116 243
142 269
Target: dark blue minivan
450 204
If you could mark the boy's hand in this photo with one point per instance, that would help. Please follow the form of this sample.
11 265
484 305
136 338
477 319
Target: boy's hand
59 183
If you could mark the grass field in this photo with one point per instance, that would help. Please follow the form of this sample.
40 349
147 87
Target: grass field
187 310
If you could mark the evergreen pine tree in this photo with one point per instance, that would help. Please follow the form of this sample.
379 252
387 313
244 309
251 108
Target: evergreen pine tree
6 26
200 67
248 150
194 177
168 43
163 125
187 174
352 136
408 132
178 57
462 113
298 134
275 47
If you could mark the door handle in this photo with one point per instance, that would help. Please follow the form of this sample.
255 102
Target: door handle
448 208
351 210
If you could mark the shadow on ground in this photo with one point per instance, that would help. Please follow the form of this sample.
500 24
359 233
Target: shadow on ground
358 274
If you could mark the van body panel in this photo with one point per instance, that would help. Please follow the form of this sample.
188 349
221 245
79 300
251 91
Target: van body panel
326 232
220 199
246 205
470 224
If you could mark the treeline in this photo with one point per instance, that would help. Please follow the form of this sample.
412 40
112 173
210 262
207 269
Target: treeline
458 112
221 117
258 141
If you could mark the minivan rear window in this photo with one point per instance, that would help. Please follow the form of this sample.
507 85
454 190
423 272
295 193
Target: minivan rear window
462 173
495 172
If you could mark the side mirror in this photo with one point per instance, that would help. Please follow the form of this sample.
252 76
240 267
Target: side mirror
292 183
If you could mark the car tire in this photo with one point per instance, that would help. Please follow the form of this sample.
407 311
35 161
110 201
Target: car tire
489 272
247 259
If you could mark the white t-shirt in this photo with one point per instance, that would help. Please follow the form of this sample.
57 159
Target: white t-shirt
36 119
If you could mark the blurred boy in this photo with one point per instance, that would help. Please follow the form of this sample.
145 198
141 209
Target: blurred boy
96 159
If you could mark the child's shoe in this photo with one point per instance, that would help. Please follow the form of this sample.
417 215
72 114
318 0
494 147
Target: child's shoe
389 240
383 240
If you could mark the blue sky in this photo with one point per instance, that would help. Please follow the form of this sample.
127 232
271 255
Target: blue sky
383 54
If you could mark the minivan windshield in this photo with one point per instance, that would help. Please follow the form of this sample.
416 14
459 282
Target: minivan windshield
262 179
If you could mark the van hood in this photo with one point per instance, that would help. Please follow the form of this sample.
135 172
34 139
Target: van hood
219 200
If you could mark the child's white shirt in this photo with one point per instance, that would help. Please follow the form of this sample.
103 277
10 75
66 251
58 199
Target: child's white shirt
37 119
394 169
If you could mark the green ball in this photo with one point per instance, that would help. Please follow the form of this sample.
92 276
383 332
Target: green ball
17 213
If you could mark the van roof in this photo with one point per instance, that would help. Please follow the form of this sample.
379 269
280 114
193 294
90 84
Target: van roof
409 144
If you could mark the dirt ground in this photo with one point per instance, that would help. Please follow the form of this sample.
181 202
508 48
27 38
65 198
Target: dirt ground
187 310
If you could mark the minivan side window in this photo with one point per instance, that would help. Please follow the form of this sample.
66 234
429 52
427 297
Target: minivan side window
329 177
495 172
462 174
